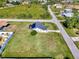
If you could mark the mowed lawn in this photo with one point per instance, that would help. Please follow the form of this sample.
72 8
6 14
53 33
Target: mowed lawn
33 11
23 44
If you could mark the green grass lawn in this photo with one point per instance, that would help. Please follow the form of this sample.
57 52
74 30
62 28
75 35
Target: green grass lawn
51 26
33 11
71 32
77 44
23 44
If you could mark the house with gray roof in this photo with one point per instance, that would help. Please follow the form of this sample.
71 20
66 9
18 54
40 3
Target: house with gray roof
15 0
38 25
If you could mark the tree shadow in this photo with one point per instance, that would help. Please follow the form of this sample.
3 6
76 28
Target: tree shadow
66 57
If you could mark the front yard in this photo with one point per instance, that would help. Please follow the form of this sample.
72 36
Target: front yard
33 11
23 44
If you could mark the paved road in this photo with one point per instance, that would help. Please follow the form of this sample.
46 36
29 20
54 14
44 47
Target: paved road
74 50
26 20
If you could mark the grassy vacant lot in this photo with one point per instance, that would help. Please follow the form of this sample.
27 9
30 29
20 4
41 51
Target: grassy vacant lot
23 44
33 11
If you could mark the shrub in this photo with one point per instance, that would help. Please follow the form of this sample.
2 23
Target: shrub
33 33
66 57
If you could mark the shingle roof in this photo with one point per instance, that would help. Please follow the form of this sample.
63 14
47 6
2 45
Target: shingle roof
39 25
3 23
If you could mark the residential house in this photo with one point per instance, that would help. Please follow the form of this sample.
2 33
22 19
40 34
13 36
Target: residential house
3 24
67 13
68 1
38 26
10 1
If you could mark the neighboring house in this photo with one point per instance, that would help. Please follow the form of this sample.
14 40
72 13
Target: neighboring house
14 0
43 1
38 26
4 39
67 13
9 5
27 1
3 24
68 1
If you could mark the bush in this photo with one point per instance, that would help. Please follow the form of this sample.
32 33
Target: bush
33 33
15 3
66 58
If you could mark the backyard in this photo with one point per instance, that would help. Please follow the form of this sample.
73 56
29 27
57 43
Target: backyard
23 44
33 11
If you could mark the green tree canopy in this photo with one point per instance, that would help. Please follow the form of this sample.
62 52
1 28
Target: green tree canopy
1 2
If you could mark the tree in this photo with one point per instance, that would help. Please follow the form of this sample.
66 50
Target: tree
66 57
77 23
1 2
70 22
7 1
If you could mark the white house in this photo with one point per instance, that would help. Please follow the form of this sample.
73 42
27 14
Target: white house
67 13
